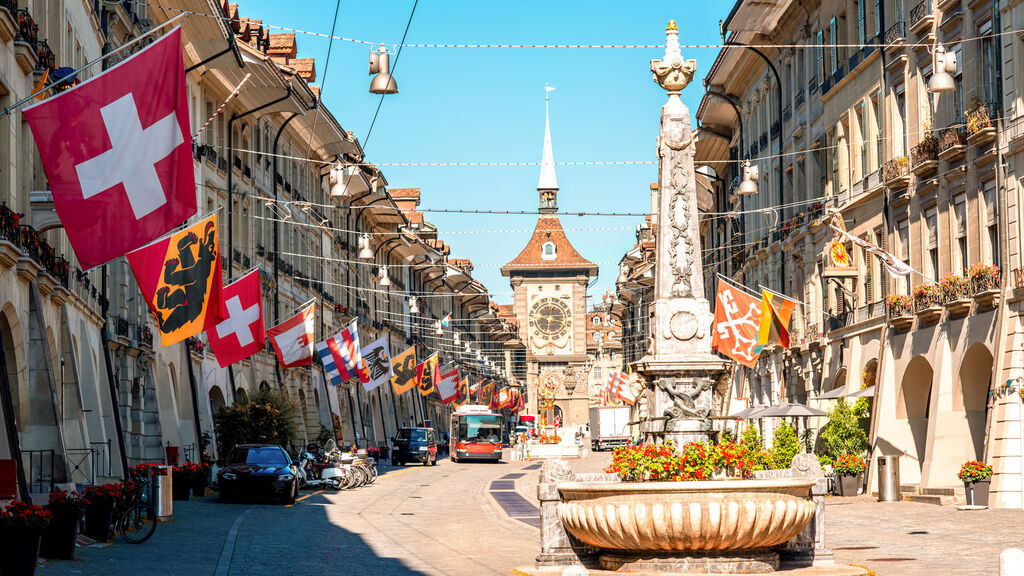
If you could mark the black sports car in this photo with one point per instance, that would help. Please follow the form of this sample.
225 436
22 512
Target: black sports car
258 471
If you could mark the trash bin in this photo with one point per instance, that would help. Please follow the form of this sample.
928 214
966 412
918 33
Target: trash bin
161 496
888 478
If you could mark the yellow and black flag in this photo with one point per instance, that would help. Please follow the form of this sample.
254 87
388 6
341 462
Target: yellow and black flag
404 366
426 375
180 277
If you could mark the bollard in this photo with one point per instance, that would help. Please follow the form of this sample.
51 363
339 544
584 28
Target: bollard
1011 562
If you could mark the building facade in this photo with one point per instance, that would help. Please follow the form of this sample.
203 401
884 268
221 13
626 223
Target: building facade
87 389
841 123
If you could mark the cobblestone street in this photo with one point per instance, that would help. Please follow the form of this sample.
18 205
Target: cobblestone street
469 519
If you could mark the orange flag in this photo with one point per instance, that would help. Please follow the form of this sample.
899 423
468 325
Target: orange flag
426 375
404 367
775 313
737 319
180 277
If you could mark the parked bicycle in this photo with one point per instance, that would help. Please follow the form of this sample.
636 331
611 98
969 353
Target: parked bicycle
134 518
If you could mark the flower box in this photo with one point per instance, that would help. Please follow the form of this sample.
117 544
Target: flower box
959 307
848 485
987 298
902 322
8 26
977 492
930 315
19 548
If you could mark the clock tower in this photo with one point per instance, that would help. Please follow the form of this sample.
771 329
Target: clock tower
549 279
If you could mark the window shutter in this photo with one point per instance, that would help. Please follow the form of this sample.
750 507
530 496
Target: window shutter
879 114
819 156
862 26
820 53
883 274
868 277
834 49
863 138
878 17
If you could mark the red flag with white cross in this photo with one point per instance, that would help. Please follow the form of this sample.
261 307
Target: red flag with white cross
241 333
117 153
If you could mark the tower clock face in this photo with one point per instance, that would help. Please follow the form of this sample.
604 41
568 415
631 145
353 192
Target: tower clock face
550 318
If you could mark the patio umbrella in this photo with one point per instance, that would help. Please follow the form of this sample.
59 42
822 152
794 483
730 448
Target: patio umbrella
868 392
832 394
787 409
748 413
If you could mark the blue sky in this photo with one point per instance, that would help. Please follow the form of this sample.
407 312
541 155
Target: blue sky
487 105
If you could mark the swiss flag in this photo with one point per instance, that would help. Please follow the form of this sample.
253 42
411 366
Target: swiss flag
240 334
293 338
117 152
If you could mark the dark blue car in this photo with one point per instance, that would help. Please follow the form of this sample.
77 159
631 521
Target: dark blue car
258 471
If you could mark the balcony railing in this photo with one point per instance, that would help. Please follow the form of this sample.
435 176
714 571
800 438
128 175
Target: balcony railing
895 168
895 33
774 131
121 326
39 250
28 30
798 101
919 12
763 140
10 227
951 137
977 119
927 150
47 61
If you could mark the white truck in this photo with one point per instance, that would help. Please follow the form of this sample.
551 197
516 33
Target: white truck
609 426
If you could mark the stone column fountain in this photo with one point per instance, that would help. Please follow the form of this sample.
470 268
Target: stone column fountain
686 382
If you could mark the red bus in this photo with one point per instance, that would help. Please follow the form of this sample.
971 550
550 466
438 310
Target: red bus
476 434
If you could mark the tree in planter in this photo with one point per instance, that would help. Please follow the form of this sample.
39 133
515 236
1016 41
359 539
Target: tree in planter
268 418
751 437
785 445
844 433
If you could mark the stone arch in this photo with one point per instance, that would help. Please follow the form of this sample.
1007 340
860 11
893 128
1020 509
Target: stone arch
11 337
970 396
913 404
241 397
869 376
839 380
216 399
264 386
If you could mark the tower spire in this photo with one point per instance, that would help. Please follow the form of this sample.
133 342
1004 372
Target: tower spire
548 183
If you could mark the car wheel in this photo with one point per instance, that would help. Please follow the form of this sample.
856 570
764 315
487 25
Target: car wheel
291 497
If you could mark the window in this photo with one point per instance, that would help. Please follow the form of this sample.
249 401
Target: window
877 112
991 255
987 70
548 251
862 140
931 222
960 230
899 138
958 77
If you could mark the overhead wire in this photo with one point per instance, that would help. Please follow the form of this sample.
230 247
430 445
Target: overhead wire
398 55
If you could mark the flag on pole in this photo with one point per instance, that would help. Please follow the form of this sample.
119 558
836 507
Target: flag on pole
776 311
377 363
117 153
342 357
404 368
504 398
446 320
179 275
448 386
240 334
293 338
894 265
737 322
426 375
619 388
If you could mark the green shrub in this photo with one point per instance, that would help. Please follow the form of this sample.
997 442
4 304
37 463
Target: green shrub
726 437
268 418
785 445
752 438
844 433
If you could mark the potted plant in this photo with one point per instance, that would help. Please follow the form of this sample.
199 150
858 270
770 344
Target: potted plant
59 539
21 530
928 302
977 477
956 293
984 281
99 512
181 482
848 469
200 478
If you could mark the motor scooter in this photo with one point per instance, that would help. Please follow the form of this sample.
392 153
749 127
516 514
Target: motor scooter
315 472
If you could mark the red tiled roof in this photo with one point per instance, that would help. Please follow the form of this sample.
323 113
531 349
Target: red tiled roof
414 217
463 263
405 193
282 45
549 229
305 68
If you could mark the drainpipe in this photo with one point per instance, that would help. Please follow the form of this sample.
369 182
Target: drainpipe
273 177
112 384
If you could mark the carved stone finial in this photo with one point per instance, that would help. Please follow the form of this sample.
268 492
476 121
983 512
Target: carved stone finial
672 72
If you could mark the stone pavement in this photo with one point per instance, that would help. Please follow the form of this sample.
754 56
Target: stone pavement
447 520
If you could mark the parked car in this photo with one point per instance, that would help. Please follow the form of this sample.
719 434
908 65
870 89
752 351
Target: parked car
414 445
260 471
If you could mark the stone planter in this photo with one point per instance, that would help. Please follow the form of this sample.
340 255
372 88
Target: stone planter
930 315
847 485
977 492
959 307
19 548
987 298
687 526
98 518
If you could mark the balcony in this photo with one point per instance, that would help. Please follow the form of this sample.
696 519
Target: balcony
1013 134
921 18
763 140
10 236
787 114
980 129
925 157
33 245
952 144
798 100
45 58
121 326
26 42
896 173
895 37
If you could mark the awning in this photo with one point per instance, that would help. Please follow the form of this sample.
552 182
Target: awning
833 394
787 409
749 413
868 392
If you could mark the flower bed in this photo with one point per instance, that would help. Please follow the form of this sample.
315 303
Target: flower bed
973 471
983 277
549 439
899 305
954 287
926 296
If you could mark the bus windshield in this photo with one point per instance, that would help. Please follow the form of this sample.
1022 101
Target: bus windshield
480 428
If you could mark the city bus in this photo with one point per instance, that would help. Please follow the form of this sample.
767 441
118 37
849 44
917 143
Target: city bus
476 434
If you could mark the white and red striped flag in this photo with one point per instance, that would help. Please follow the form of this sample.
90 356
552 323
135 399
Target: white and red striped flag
342 357
618 387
